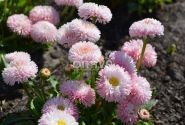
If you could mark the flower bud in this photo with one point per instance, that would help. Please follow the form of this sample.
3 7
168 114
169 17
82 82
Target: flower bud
68 68
144 114
45 72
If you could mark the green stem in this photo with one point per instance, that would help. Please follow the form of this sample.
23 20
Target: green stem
5 7
38 93
26 90
138 65
42 89
81 71
93 76
3 60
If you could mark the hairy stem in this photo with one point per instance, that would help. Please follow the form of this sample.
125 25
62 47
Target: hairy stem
139 63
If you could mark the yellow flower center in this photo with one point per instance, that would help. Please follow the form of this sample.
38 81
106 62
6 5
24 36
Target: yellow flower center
60 107
61 122
114 81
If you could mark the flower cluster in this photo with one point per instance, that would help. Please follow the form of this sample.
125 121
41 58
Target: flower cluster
119 82
19 68
39 26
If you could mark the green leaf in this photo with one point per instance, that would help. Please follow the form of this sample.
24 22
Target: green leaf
35 106
75 75
54 84
145 123
172 49
150 104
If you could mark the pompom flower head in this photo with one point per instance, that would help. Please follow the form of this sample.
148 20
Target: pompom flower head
146 27
20 24
133 48
123 60
17 55
44 32
78 90
127 112
114 83
150 56
57 117
75 3
60 103
19 70
78 30
92 11
47 13
84 54
141 91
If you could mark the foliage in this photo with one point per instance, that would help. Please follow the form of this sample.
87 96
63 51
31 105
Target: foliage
146 6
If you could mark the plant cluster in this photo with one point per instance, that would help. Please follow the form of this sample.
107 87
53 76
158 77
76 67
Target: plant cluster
97 90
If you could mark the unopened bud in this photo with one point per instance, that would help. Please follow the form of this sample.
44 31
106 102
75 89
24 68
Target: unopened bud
45 72
144 114
68 68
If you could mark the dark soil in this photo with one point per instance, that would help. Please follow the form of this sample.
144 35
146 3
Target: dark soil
168 76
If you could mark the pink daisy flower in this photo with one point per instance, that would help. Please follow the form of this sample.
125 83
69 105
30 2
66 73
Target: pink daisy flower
84 54
66 37
17 55
44 13
123 60
78 30
100 13
20 24
19 72
133 48
57 117
62 104
141 91
127 112
75 3
79 90
114 83
44 32
146 27
150 56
